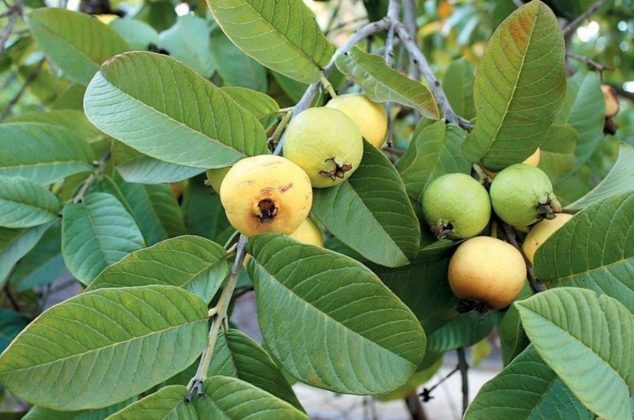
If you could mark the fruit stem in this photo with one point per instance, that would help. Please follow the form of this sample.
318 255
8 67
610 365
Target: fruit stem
536 285
464 369
280 129
326 84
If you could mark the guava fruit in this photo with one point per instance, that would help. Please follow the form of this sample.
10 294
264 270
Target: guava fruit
370 117
522 195
325 143
308 233
542 231
611 100
456 206
266 193
532 160
487 272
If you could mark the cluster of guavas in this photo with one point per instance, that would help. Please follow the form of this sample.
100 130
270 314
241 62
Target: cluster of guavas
323 146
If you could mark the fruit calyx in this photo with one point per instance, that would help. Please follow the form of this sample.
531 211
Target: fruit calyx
548 206
442 230
266 210
466 305
338 170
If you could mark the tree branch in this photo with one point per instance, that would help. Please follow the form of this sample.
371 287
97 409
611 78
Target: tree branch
393 10
589 62
99 168
572 26
12 299
464 369
510 235
14 13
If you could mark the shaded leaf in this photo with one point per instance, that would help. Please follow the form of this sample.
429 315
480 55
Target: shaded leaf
72 119
234 67
204 214
458 86
23 203
11 323
557 155
188 42
139 35
41 413
14 244
463 331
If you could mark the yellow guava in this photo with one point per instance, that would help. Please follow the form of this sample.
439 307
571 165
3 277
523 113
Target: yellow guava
542 231
308 233
370 117
611 100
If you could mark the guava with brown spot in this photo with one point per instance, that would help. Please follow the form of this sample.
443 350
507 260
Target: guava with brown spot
266 193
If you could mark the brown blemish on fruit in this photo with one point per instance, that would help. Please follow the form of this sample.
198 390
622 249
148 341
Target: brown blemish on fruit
267 210
286 187
337 171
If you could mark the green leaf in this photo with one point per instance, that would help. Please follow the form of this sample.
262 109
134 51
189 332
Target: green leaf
163 109
236 355
594 250
139 35
136 167
71 119
458 86
259 104
282 35
385 229
463 331
588 340
41 413
103 347
42 153
204 214
620 180
234 67
225 398
96 234
188 42
11 323
193 263
77 43
434 150
526 389
43 264
525 55
155 210
513 339
557 155
23 203
357 336
381 83
14 244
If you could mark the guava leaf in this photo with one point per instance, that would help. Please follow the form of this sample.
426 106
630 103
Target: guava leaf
358 337
513 339
588 340
458 86
97 233
188 42
43 153
259 104
138 34
463 331
557 155
76 42
105 346
371 212
282 35
619 180
238 356
381 83
165 110
234 67
434 150
11 323
14 244
518 87
41 413
71 119
195 264
23 203
526 389
225 398
204 214
594 250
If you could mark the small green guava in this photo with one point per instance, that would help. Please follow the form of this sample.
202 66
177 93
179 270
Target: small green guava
456 206
522 195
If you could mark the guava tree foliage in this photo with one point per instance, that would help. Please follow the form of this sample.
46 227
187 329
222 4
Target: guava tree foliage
115 159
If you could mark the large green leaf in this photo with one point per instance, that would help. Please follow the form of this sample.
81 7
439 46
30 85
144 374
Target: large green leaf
41 413
259 104
196 264
188 42
139 35
588 340
23 203
204 214
14 244
513 339
371 213
557 156
434 150
97 233
72 119
102 347
620 180
463 331
384 84
526 389
357 336
163 109
42 152
282 35
458 86
136 167
594 250
518 88
236 355
76 42
224 398
234 67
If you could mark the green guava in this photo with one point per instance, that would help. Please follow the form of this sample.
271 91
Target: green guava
456 206
522 195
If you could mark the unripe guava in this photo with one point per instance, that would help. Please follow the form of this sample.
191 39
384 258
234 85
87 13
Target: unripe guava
215 177
370 117
542 231
522 195
486 270
308 233
266 193
325 143
457 206
611 100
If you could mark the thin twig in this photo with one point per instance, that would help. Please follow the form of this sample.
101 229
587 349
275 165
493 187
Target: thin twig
393 10
280 129
415 408
509 233
409 20
12 299
94 176
426 393
18 95
15 12
344 25
572 26
464 370
589 62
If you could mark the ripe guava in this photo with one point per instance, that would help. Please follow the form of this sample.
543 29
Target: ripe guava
611 100
456 206
308 233
532 160
266 193
325 143
487 272
370 117
522 195
542 231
